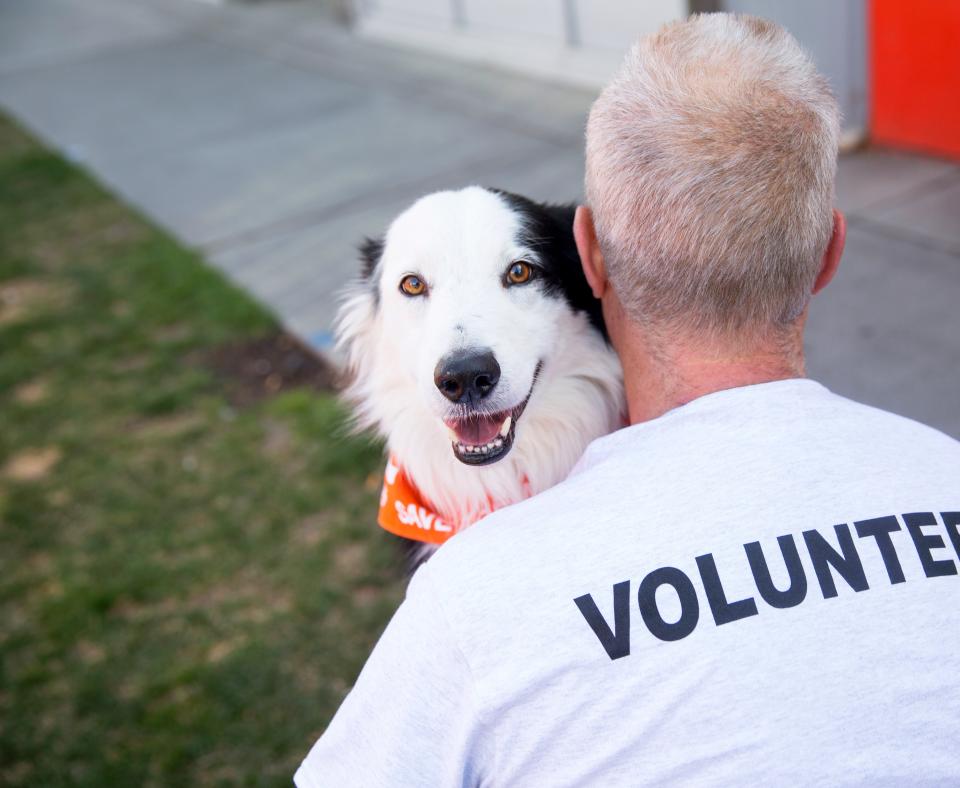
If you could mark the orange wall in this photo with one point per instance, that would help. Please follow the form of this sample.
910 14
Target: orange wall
915 74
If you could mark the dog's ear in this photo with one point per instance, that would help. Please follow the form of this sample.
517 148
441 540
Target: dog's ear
566 271
562 214
371 250
355 328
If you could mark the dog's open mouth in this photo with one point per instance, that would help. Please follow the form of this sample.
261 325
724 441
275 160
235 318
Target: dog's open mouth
480 440
484 438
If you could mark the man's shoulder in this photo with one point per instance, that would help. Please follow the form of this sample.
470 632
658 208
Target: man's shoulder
508 547
645 458
487 578
794 410
654 461
507 529
889 425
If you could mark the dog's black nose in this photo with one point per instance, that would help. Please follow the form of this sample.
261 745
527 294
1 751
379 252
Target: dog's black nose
467 376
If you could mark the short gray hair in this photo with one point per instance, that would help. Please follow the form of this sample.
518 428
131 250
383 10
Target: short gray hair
711 160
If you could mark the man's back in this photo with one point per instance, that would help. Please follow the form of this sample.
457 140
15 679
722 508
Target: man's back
759 586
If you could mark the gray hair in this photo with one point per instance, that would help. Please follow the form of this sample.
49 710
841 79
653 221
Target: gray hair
711 160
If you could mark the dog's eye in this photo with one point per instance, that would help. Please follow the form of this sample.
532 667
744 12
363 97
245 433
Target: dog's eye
519 273
412 285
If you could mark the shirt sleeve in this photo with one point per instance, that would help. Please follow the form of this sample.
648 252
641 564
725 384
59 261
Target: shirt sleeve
412 718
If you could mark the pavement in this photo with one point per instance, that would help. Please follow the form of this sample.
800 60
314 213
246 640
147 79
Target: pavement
272 140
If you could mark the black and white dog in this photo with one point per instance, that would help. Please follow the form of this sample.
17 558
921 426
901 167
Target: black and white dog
476 349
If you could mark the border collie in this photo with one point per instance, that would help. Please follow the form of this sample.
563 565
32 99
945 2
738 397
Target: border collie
475 348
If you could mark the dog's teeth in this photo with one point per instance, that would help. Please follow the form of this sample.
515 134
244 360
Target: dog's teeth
453 435
506 426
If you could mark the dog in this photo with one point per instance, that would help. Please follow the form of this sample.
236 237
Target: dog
475 349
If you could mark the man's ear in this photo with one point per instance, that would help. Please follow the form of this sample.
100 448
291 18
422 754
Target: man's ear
591 258
831 257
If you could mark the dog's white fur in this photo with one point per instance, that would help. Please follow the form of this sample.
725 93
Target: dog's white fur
461 243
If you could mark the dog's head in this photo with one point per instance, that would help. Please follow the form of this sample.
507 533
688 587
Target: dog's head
461 314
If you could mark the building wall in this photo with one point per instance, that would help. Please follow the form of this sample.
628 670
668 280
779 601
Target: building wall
576 41
583 41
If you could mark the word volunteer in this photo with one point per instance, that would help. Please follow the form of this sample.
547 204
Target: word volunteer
925 530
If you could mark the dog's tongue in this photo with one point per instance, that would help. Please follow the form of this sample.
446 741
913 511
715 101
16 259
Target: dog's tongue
478 430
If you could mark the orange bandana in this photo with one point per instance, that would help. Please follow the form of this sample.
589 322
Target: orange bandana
404 511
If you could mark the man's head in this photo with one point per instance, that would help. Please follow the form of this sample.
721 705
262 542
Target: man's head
711 159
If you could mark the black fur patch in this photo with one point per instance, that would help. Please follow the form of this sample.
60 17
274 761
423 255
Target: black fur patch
548 229
371 250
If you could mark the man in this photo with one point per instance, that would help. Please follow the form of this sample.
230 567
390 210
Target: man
754 583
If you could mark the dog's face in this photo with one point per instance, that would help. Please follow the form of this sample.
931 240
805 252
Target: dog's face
464 299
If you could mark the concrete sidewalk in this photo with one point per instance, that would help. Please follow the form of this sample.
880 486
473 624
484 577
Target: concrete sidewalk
272 140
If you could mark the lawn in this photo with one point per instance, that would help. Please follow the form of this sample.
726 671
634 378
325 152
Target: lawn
190 573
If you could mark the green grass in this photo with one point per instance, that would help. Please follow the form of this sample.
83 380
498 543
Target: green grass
187 589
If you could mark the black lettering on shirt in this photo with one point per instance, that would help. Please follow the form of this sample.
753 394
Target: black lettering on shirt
617 642
773 596
925 543
952 521
723 611
689 606
826 559
846 562
880 529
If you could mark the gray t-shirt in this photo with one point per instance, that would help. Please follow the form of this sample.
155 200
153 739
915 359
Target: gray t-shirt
759 587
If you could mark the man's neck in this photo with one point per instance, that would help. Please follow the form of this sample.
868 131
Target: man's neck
660 378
